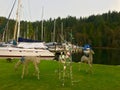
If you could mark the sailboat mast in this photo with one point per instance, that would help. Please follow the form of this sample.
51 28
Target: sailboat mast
17 25
42 25
54 31
19 10
62 31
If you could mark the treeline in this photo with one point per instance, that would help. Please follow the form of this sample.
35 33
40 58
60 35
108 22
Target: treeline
97 30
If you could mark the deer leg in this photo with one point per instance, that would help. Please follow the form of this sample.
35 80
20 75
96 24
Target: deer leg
90 65
17 65
23 72
26 69
36 69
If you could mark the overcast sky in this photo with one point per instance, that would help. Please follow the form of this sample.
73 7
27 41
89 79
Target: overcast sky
32 9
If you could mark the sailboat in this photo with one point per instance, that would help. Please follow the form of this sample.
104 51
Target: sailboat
24 48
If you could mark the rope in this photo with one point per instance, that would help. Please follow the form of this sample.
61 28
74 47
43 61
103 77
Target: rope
8 19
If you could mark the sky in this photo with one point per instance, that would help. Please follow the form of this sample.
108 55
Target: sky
35 10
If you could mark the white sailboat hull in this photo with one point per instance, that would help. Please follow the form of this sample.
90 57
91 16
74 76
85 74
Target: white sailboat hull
8 52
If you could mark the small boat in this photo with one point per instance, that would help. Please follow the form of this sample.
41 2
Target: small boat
26 49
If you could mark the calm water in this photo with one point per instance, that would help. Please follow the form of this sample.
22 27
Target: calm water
103 56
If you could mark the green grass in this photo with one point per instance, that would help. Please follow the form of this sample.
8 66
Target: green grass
104 77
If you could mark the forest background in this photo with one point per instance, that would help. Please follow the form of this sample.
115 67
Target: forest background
97 30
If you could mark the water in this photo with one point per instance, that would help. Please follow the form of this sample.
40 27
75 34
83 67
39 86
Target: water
102 56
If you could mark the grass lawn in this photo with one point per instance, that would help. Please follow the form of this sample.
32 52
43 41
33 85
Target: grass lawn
104 77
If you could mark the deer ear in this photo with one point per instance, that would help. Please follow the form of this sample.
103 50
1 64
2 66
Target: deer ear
92 52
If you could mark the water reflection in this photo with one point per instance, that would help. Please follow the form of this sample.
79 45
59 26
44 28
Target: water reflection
102 56
107 56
